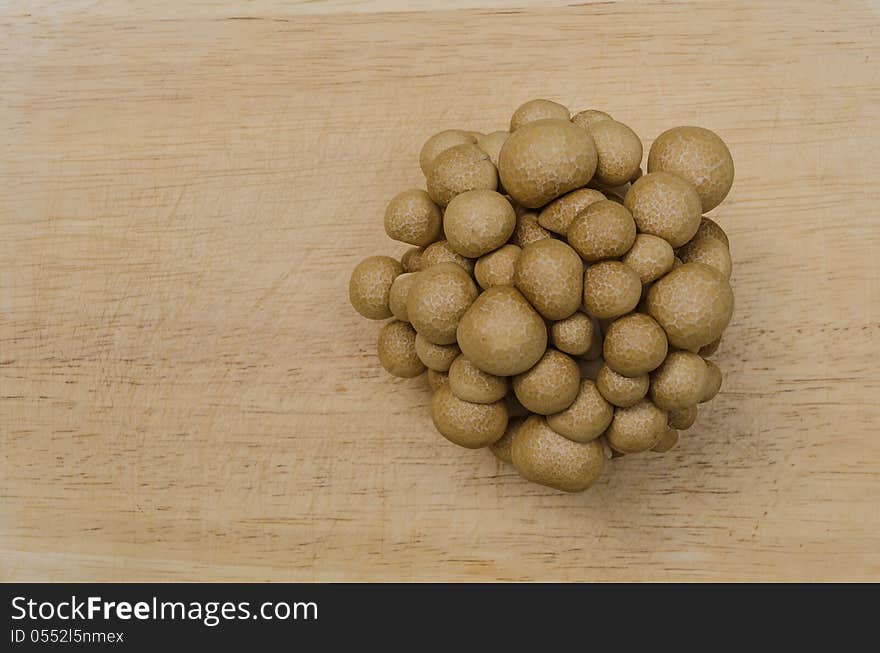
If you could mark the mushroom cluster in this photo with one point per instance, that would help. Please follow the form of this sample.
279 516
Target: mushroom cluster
563 303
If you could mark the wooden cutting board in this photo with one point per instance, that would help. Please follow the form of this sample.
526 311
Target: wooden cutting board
185 393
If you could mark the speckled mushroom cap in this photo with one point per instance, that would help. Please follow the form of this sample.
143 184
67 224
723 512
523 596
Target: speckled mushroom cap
436 357
586 418
713 382
683 419
442 252
397 350
550 386
546 159
538 110
398 294
667 441
528 230
440 142
710 251
491 144
650 256
679 382
665 205
437 301
711 229
412 259
437 379
543 456
470 383
477 222
559 214
501 448
467 424
589 117
573 335
497 268
637 428
611 289
620 390
619 150
412 217
693 304
501 333
603 230
370 286
634 345
698 155
460 169
549 274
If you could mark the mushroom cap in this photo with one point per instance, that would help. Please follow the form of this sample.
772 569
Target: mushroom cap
603 230
397 350
693 303
369 287
497 268
440 142
611 289
679 382
467 424
558 215
412 217
637 428
546 159
470 383
550 386
586 418
620 390
438 299
501 333
619 151
549 273
634 345
543 456
477 222
539 109
665 205
459 169
697 155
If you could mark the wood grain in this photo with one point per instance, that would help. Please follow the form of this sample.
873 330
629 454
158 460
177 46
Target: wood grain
185 393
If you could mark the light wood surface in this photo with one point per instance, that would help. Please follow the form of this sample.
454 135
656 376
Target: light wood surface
186 394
